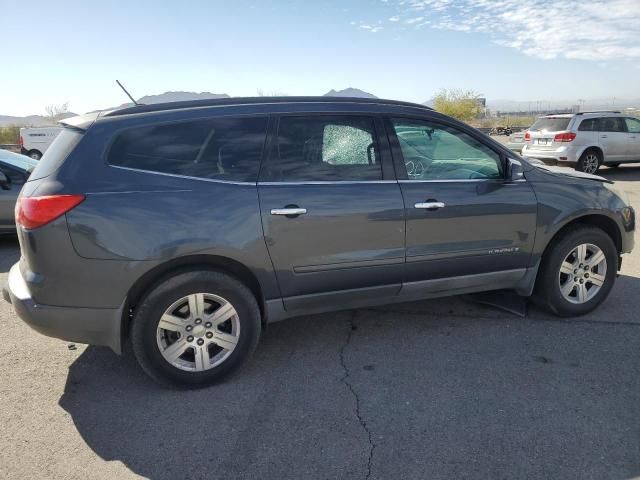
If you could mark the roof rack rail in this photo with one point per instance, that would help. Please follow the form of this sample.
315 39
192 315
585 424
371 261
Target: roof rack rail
185 104
600 111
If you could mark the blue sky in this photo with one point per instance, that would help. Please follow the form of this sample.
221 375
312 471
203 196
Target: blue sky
401 49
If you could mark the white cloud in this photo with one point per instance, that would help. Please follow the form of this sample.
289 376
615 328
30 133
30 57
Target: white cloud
576 29
370 28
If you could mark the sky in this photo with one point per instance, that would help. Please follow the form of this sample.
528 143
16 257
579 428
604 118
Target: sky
72 51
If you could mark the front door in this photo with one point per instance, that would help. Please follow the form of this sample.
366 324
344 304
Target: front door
613 139
332 213
464 218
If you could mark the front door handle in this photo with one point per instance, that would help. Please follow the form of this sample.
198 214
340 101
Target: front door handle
604 136
429 205
289 211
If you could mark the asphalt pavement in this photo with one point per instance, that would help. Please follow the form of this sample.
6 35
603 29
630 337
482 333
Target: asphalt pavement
437 389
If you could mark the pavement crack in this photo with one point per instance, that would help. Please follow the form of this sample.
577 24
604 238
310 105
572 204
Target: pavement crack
345 380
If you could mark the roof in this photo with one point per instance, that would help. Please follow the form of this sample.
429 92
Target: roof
158 107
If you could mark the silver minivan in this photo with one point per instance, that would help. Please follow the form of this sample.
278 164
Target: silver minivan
584 140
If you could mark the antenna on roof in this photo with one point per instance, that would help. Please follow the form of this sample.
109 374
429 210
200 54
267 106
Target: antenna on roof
128 94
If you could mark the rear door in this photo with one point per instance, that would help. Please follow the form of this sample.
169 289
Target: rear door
332 211
613 139
464 219
633 145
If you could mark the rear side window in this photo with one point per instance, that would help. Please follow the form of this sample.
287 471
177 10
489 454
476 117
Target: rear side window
56 154
228 148
324 148
590 125
612 124
550 124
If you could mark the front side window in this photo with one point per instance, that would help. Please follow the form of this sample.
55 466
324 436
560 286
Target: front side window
633 125
226 148
324 148
439 152
612 124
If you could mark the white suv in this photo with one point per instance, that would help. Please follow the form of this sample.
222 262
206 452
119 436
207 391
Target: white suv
584 140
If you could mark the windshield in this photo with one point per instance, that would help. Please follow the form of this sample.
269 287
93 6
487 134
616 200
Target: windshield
19 161
553 124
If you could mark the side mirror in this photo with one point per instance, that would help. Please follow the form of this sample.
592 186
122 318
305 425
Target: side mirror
5 183
515 170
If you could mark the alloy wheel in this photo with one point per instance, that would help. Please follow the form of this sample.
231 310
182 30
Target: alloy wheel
590 163
198 332
582 273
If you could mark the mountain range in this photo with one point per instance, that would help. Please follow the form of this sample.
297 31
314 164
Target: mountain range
494 105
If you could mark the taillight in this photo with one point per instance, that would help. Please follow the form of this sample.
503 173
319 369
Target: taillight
564 137
527 136
21 141
34 212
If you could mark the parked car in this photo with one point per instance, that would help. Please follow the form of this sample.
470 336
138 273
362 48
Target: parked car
516 141
187 227
34 141
584 140
501 131
14 171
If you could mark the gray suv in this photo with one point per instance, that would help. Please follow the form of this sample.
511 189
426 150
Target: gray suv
185 228
584 140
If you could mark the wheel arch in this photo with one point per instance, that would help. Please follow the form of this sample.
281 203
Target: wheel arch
601 221
175 266
597 149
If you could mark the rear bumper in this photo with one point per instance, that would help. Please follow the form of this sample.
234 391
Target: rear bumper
96 326
564 155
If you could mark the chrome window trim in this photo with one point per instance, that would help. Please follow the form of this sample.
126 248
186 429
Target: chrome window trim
327 182
463 180
187 177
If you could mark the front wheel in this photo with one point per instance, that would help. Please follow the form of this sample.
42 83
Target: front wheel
195 328
577 272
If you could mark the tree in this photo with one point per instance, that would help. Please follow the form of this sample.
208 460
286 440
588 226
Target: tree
56 112
460 104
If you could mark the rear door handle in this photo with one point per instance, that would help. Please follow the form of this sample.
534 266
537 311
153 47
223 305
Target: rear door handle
289 211
429 205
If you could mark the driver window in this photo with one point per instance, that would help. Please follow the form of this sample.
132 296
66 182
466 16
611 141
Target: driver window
439 152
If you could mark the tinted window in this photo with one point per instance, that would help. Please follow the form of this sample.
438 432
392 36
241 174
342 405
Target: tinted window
223 148
554 124
633 125
56 154
612 124
440 152
589 125
324 148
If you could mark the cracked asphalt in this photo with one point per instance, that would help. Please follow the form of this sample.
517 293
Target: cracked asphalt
438 389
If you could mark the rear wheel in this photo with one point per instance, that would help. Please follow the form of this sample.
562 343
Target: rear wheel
589 162
577 272
195 328
35 154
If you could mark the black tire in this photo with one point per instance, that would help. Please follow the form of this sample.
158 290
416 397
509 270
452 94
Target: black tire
547 291
35 154
586 162
162 296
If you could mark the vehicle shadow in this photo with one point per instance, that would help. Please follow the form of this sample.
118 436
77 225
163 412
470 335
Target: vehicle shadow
434 389
624 173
